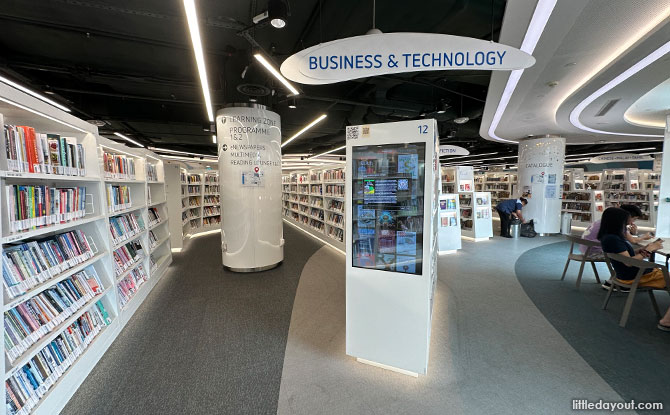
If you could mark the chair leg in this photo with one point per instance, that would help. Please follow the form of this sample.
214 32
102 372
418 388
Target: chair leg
627 307
654 304
565 269
595 271
581 271
609 295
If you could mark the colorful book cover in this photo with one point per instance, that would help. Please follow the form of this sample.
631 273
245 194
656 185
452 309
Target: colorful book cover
406 243
409 164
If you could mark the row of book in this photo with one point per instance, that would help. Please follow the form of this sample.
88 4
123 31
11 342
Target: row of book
337 205
34 318
33 207
129 285
127 256
334 175
118 166
211 211
335 190
29 383
211 178
182 177
118 197
152 172
336 219
153 239
26 265
31 152
194 178
212 220
194 201
194 190
124 227
211 188
336 233
154 217
316 189
193 213
211 200
316 213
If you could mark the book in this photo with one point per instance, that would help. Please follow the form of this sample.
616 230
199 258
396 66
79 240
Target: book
31 263
28 384
31 152
32 207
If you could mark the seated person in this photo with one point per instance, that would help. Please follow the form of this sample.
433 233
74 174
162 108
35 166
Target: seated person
613 241
591 233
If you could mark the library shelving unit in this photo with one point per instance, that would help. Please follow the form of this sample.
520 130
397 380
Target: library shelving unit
476 215
194 191
211 205
448 179
64 220
499 185
593 180
585 206
313 200
646 200
449 228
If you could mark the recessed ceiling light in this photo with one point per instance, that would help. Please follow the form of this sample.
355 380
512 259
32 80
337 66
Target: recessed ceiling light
277 13
461 120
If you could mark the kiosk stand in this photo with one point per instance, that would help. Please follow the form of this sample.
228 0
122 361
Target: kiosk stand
392 215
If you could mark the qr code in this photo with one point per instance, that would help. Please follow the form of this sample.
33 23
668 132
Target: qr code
352 133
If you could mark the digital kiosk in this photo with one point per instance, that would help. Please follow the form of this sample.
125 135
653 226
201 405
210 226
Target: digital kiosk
392 188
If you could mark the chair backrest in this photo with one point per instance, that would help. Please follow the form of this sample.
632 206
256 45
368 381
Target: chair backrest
641 265
581 241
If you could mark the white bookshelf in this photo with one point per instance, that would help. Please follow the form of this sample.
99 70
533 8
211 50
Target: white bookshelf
476 215
585 206
448 179
500 185
313 200
211 202
19 109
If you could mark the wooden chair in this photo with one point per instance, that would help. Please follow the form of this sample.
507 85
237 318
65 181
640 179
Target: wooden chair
588 256
634 287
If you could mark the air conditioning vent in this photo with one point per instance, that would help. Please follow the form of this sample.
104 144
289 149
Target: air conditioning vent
608 106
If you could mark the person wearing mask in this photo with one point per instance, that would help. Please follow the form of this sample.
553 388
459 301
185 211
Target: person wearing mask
613 240
508 209
591 233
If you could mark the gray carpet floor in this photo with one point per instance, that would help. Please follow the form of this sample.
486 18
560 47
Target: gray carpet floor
205 341
492 350
634 360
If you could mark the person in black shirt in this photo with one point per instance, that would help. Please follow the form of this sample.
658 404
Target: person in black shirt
611 236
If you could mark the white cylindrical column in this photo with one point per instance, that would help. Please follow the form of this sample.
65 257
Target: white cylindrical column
541 174
663 214
249 139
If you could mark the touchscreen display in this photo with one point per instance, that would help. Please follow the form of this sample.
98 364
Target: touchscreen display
387 207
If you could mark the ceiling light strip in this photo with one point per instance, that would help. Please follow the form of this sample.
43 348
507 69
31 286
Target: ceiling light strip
541 15
33 93
192 18
167 150
470 155
327 152
128 139
613 151
41 114
659 17
206 160
260 58
643 63
307 127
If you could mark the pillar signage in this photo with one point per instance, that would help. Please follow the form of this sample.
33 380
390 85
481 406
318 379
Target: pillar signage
620 158
387 53
449 150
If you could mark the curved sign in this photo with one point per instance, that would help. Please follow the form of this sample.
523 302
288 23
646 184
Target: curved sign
387 53
449 150
620 158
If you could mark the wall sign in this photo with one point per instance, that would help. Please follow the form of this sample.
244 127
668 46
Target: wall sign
619 158
386 53
449 150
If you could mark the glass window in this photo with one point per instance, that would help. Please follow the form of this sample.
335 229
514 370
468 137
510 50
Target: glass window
387 207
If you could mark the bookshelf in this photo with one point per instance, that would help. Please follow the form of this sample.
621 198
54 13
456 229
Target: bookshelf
585 206
500 185
475 215
448 179
211 204
646 200
102 207
313 200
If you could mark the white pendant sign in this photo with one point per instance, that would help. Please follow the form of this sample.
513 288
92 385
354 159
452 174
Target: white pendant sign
620 158
449 150
387 53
